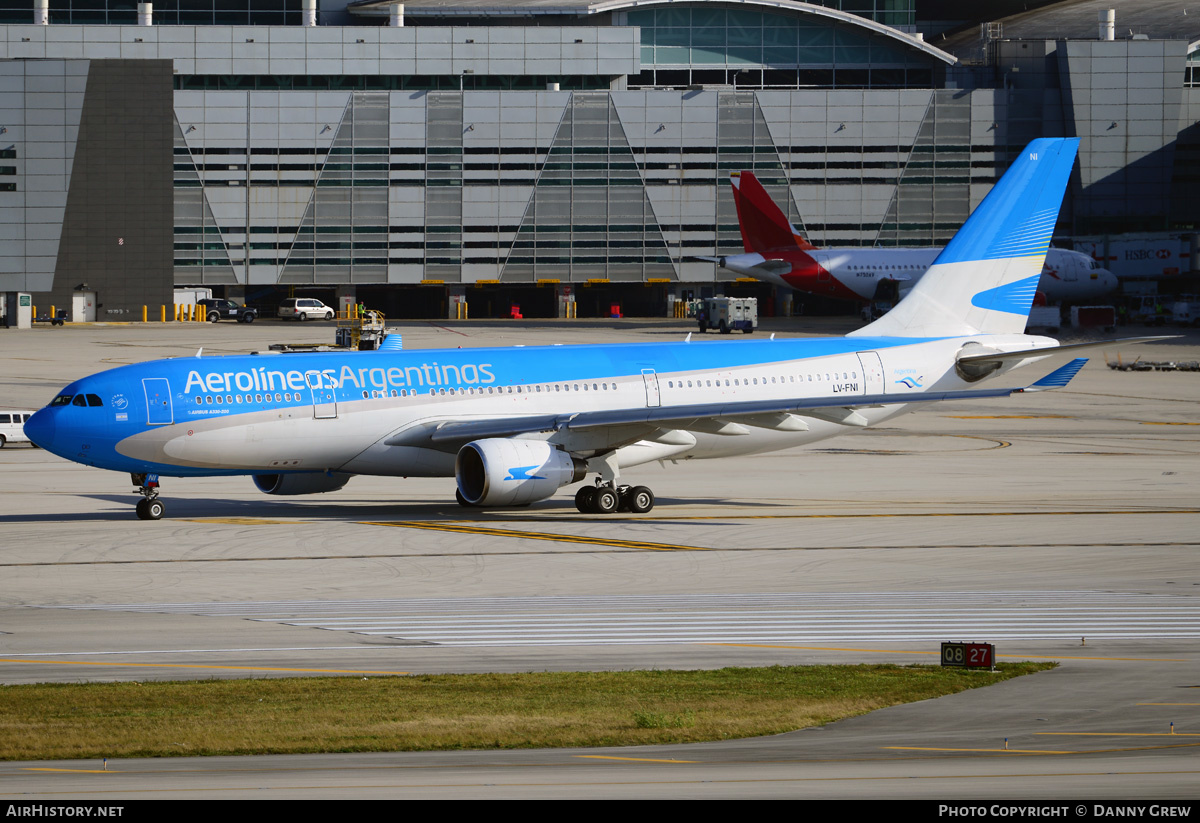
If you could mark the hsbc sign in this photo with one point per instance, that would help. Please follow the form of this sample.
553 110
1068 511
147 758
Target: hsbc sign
1144 256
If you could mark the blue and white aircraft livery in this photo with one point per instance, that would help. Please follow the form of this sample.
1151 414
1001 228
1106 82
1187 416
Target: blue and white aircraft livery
514 425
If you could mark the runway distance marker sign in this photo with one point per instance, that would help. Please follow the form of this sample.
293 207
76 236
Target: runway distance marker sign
969 655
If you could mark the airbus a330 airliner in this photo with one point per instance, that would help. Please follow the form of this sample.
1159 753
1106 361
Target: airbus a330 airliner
777 253
514 425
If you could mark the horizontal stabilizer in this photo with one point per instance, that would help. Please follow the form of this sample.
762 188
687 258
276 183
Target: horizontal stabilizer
1059 377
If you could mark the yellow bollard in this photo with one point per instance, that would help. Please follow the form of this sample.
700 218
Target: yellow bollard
144 316
51 312
164 313
203 312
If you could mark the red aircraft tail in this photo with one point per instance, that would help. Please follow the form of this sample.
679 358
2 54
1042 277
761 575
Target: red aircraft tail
764 227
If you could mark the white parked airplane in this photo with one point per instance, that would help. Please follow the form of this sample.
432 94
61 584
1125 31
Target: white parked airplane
514 425
776 253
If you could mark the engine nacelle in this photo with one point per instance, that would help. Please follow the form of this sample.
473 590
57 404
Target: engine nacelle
972 372
501 472
301 483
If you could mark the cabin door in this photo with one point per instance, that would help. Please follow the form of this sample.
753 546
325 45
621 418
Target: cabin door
158 401
653 396
872 372
324 399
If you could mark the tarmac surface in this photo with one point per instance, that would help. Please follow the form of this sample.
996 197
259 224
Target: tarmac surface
1060 526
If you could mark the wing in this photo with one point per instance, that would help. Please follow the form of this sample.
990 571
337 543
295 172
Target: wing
997 358
616 427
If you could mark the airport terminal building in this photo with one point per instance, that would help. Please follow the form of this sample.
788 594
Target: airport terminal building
539 152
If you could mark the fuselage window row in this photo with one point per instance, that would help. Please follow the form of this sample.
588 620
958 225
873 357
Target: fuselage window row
783 378
288 397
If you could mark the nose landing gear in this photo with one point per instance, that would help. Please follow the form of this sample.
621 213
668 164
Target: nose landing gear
150 507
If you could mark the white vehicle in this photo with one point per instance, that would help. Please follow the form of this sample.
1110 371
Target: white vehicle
12 427
191 296
305 308
728 314
1186 310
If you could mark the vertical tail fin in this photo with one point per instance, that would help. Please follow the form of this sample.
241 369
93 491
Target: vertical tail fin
764 226
985 279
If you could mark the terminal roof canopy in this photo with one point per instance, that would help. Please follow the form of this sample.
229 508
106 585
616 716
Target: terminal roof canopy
496 12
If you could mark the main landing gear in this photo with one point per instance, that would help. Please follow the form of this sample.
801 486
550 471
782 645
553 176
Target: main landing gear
149 507
604 498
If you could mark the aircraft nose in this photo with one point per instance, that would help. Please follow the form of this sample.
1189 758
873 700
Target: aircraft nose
40 429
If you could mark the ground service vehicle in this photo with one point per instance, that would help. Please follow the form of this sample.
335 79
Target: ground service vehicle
727 314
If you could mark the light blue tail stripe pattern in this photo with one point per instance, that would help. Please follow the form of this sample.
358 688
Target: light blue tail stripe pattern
1029 239
1060 376
1017 217
1014 298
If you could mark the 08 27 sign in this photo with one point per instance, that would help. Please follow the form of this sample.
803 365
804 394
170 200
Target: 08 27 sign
969 655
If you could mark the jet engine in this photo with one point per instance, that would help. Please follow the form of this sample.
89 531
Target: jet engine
500 472
301 483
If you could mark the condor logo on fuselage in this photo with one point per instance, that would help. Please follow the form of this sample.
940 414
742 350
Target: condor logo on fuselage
523 473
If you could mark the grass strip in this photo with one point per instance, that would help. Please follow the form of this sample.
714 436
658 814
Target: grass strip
53 721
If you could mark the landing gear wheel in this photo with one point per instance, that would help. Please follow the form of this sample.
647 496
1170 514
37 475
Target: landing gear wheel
150 509
606 500
623 499
641 499
585 499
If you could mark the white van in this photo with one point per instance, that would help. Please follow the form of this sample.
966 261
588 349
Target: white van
12 427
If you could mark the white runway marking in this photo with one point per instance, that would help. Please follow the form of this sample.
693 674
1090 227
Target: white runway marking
746 618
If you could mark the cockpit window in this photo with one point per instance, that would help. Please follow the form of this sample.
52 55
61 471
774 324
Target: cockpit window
94 400
79 400
61 400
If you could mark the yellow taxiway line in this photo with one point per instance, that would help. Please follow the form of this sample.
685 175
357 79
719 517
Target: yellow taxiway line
487 531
